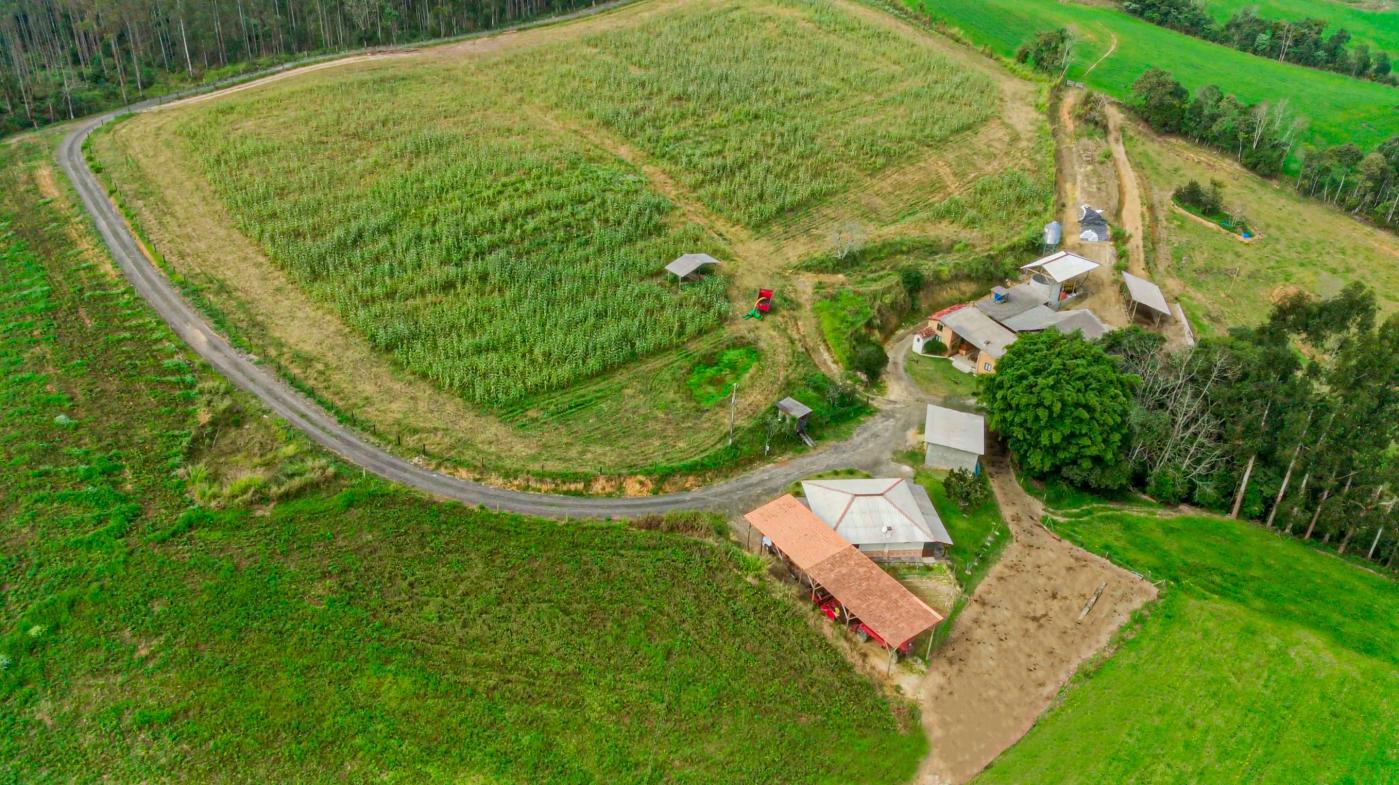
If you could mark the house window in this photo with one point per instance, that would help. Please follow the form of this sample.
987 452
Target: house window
986 367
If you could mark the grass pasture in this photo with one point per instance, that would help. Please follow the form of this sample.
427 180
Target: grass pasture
348 631
1339 108
1223 281
1264 662
1373 23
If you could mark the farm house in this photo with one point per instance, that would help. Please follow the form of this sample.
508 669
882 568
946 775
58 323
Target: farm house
887 519
842 581
974 341
953 439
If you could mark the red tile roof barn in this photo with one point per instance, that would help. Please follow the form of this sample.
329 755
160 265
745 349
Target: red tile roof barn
871 594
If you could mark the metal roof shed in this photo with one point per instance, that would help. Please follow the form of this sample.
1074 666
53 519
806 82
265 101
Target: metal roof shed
793 408
1144 292
958 430
687 264
1063 266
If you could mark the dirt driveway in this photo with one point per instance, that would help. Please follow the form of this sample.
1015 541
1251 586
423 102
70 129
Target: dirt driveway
1019 640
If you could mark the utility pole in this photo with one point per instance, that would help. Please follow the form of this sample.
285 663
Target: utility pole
733 410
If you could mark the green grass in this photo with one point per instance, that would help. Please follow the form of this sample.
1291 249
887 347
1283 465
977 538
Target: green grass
843 316
1339 108
712 378
937 377
1367 23
1263 662
1301 244
351 630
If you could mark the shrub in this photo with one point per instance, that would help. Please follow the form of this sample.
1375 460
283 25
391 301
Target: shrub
965 489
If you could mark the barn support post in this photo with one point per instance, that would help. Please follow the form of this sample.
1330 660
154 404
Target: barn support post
928 655
889 669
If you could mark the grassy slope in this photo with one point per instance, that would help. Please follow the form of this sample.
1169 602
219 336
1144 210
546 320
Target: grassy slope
1264 662
1303 243
1340 109
357 632
1374 26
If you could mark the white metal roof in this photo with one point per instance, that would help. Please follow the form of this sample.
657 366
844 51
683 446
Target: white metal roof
1146 293
1037 318
1063 266
958 430
684 265
876 512
793 407
979 330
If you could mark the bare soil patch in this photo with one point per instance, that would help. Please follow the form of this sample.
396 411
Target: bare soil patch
1020 639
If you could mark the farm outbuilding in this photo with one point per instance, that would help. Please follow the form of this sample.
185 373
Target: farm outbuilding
953 439
843 581
1093 227
689 264
887 519
1145 293
1056 277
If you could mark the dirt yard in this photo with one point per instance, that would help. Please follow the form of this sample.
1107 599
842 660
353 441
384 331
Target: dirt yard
1022 636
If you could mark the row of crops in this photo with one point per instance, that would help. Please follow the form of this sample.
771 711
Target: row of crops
763 107
459 215
494 257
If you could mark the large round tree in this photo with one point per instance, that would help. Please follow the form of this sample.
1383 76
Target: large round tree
1062 406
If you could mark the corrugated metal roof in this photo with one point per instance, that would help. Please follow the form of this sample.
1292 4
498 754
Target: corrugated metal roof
979 330
875 512
1146 293
871 594
959 430
1038 318
684 265
1014 301
793 407
1063 266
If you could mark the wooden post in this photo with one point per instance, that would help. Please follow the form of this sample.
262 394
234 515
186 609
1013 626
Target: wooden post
890 669
733 409
928 655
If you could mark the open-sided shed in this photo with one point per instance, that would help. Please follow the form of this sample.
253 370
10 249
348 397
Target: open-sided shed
869 596
1144 292
688 264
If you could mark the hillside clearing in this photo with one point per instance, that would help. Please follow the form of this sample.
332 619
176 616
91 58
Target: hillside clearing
1304 245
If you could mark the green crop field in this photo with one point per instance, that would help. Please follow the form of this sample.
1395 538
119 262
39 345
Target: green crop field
349 631
460 218
1264 661
1376 24
1337 107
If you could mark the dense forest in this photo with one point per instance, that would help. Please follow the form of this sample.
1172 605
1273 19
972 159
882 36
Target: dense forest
1303 42
1262 136
61 59
1292 422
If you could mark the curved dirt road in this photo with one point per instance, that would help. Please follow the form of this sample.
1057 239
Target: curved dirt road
868 447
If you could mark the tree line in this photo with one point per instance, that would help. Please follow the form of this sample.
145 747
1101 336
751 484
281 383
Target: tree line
1303 42
61 59
1292 423
1263 135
